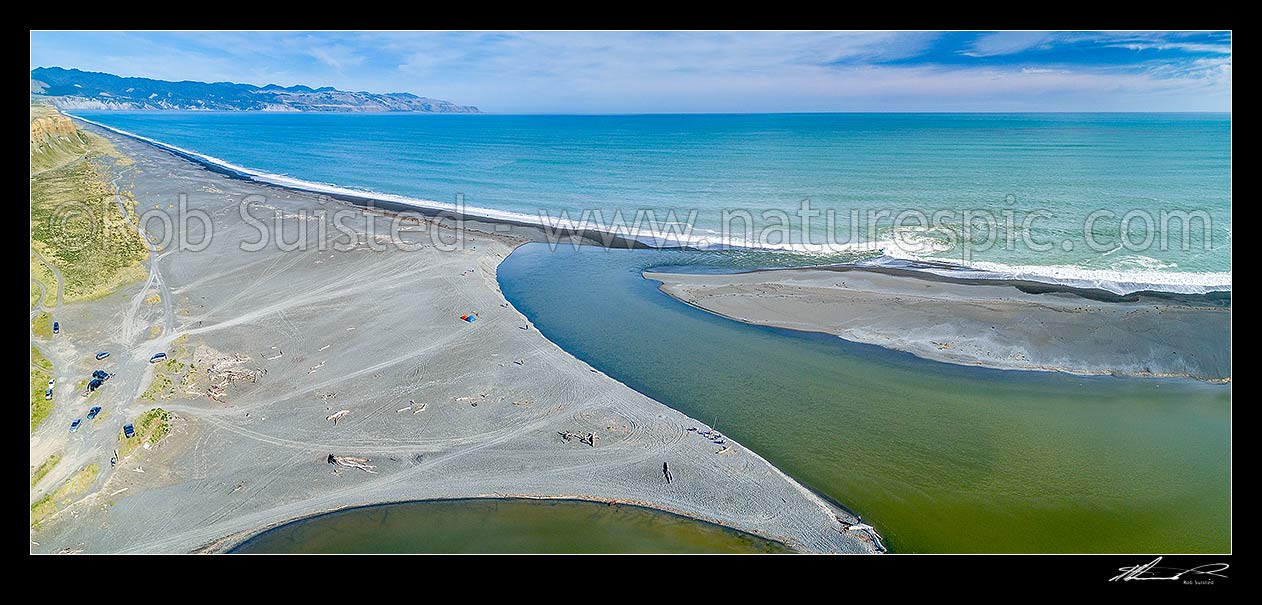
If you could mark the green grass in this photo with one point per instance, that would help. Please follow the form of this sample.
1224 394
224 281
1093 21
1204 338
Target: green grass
74 486
38 360
42 508
40 408
162 387
43 469
164 380
41 274
42 325
55 141
41 371
152 427
76 225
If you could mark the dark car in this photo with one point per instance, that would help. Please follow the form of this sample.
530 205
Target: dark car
102 355
129 431
93 412
95 384
102 374
74 426
56 327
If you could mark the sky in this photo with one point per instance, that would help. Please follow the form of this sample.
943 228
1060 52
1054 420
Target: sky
693 72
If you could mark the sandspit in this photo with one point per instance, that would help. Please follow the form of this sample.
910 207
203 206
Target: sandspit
311 378
1018 326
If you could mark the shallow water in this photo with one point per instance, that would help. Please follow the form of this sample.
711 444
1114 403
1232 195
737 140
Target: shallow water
940 458
503 526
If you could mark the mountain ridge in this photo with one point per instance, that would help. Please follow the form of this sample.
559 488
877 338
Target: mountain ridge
77 89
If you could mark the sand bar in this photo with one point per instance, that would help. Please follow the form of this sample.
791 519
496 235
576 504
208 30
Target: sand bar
1018 326
438 407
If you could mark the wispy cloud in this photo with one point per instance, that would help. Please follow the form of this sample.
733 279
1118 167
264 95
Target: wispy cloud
1007 43
1218 49
640 71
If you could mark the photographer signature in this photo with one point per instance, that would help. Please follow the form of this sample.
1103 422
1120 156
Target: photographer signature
1150 571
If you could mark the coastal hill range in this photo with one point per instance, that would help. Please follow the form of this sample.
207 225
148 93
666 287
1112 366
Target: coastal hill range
76 89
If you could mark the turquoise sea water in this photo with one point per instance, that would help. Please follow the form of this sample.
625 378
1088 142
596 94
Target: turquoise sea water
940 458
1029 181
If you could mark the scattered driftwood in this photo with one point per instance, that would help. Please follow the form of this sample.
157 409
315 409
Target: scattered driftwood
589 439
414 406
227 369
352 462
336 416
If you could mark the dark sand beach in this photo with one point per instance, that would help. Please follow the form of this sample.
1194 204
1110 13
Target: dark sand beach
997 324
441 408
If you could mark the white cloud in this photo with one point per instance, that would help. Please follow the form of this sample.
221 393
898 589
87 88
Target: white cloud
666 72
1007 43
1222 49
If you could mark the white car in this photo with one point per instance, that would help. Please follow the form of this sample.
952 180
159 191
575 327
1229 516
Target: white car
52 383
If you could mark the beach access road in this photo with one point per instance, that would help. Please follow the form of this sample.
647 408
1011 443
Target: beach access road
297 351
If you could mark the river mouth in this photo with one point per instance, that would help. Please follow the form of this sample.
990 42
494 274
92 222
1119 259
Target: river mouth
502 526
939 457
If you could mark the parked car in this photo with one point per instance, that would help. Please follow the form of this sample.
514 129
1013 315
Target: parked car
129 431
93 412
102 355
102 374
52 382
56 327
48 394
74 426
158 357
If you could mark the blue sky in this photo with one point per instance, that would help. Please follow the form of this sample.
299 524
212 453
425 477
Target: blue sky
729 71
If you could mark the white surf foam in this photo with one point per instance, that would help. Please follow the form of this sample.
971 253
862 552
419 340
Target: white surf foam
908 244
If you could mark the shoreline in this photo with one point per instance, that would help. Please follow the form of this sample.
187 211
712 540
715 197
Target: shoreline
228 544
381 202
998 325
465 443
1107 281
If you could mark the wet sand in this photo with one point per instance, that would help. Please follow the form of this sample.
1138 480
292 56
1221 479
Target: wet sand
440 408
1018 326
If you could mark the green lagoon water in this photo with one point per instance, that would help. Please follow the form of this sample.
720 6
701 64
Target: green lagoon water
503 526
939 457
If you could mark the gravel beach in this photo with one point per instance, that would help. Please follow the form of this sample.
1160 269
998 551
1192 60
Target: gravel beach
336 342
1017 326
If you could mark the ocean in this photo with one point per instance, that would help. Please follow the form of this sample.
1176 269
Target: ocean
1124 202
940 458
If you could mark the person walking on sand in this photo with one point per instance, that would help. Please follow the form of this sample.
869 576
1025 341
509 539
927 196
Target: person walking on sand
666 472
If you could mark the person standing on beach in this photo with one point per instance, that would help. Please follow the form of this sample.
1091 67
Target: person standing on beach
666 472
